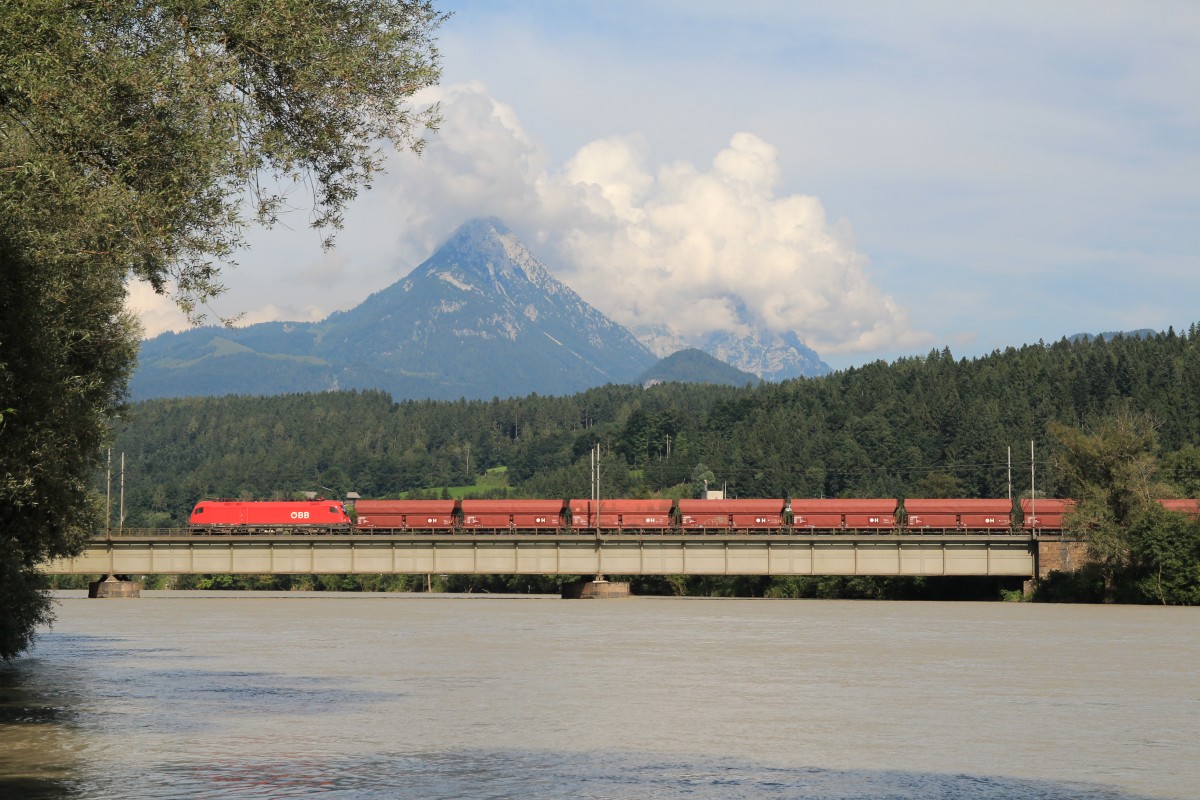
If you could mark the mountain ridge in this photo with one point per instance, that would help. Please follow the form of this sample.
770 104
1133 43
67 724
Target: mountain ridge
693 365
482 317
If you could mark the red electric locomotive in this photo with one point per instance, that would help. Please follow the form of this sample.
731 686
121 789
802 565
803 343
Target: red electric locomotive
269 516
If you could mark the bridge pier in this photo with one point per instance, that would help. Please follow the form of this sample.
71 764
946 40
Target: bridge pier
1060 554
114 586
599 588
1056 553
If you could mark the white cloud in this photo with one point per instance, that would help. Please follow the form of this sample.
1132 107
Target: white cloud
158 314
700 250
276 313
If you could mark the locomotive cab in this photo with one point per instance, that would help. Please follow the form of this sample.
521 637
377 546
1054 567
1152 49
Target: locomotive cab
269 516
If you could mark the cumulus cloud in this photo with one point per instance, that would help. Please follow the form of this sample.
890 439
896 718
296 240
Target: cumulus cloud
716 250
157 314
695 249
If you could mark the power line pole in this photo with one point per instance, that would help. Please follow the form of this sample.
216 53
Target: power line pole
122 524
1032 489
108 496
1010 474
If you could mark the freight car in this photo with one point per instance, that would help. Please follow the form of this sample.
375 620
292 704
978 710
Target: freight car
406 515
951 515
732 515
269 516
846 515
1191 508
505 516
1045 514
616 515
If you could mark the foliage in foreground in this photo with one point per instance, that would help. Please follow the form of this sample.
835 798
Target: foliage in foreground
1139 552
131 134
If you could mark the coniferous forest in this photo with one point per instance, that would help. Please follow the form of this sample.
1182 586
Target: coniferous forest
932 426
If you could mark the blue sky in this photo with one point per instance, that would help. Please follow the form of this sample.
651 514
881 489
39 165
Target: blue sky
881 178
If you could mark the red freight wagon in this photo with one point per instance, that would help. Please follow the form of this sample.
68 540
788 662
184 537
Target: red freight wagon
952 514
705 514
1189 507
253 516
407 515
1049 513
755 514
834 514
699 514
615 514
513 514
583 514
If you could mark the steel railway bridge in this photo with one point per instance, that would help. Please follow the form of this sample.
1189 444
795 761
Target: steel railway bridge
178 551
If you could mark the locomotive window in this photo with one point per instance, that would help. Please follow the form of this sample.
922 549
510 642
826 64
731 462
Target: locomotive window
333 509
199 509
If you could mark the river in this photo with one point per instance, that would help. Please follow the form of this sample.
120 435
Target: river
239 695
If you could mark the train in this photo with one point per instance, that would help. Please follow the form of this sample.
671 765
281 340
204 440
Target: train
270 516
641 516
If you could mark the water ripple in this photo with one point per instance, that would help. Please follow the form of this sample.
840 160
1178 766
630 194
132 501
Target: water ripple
507 775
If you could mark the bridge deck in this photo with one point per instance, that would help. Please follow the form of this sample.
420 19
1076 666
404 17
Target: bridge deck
167 552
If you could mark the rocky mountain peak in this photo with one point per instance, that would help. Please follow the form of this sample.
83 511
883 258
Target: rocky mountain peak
485 249
481 317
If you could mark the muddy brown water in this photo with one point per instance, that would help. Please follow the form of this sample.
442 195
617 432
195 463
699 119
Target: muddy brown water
239 695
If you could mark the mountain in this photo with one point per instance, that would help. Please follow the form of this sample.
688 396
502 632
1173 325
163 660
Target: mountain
264 359
481 318
769 355
696 366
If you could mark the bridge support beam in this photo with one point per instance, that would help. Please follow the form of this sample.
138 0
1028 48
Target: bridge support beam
533 554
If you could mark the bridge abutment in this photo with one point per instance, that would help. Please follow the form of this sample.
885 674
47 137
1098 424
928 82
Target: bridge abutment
1056 554
1060 554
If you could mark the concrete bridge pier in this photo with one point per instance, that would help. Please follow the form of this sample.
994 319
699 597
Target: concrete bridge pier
598 588
114 586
